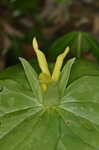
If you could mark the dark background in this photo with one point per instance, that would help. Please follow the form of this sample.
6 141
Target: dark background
48 20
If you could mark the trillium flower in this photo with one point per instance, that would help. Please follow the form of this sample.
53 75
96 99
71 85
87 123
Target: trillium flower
66 115
45 75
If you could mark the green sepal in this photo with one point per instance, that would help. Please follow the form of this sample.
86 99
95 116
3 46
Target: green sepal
65 74
32 78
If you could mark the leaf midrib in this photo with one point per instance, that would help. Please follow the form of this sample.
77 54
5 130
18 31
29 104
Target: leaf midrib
27 117
29 133
73 132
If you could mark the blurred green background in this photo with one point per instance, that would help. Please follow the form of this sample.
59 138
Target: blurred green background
55 23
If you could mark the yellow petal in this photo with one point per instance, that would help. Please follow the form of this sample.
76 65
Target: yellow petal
44 78
35 44
41 58
58 65
44 87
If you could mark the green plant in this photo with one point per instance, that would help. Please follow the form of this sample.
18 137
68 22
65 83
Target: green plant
79 42
60 116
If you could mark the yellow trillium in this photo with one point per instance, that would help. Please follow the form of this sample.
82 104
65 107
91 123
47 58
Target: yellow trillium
45 75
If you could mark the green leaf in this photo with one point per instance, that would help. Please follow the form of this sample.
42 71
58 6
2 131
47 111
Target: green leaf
65 75
14 97
32 78
60 44
79 42
61 122
83 67
72 124
80 112
16 73
94 45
